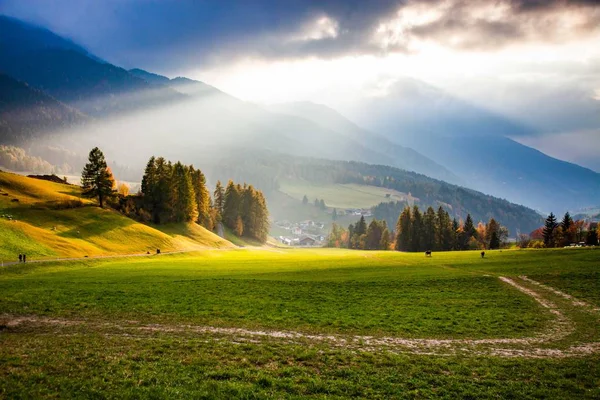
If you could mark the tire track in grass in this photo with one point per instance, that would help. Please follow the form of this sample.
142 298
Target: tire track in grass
558 328
574 301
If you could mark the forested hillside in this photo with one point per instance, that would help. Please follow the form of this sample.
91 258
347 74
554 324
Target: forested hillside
267 170
25 111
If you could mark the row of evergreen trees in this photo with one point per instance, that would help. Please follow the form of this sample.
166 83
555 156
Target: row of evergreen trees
243 209
178 193
416 231
431 230
175 192
561 234
375 236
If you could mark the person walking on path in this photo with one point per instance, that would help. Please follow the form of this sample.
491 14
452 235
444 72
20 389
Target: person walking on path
24 257
20 257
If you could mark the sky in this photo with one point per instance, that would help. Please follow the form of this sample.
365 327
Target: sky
535 61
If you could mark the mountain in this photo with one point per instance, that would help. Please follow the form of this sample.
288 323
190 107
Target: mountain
20 38
474 144
24 111
403 157
149 76
67 72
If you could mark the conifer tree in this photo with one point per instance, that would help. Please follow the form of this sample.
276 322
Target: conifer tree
429 231
361 226
305 200
403 231
350 234
566 225
384 244
202 196
97 179
183 195
492 229
161 192
549 230
373 239
416 231
219 202
231 205
149 180
334 215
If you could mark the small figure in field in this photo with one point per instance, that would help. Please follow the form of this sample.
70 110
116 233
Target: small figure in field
20 257
482 254
428 253
157 251
24 257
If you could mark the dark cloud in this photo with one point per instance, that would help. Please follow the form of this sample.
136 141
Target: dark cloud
170 36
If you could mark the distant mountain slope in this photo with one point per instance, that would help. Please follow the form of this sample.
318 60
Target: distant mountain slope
149 76
267 170
70 74
402 157
25 111
18 38
473 144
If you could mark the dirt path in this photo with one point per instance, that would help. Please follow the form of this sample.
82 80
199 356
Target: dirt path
541 345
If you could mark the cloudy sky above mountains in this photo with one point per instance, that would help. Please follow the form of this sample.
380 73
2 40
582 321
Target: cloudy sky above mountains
536 61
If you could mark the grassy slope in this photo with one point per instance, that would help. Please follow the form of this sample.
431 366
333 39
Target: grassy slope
313 290
39 229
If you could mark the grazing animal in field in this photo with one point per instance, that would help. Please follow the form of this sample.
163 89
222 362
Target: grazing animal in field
482 254
428 253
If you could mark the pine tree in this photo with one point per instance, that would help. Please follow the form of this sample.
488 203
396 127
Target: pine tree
384 244
566 225
468 231
549 230
361 226
429 230
305 200
161 192
334 215
455 234
350 234
231 205
219 202
403 231
183 195
374 232
202 196
494 241
492 229
416 232
149 180
96 178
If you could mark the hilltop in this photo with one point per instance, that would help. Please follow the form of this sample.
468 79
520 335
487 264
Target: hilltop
46 219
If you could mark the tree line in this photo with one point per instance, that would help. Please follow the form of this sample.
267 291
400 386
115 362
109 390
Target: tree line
375 236
243 209
174 192
417 231
568 231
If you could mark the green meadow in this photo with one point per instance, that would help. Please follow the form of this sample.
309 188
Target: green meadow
283 323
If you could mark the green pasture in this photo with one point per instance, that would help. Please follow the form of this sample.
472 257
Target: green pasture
455 295
341 196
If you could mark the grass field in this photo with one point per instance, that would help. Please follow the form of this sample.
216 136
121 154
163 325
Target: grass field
341 196
45 219
285 323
